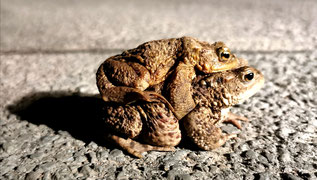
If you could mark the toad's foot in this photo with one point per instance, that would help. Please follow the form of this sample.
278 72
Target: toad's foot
233 119
135 148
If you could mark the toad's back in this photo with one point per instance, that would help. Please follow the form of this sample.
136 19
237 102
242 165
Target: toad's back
158 56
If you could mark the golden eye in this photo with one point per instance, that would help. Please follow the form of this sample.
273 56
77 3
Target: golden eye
224 54
248 77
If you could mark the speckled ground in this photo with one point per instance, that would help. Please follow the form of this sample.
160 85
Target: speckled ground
49 127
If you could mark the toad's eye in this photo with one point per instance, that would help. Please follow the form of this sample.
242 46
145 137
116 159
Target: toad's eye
248 77
224 54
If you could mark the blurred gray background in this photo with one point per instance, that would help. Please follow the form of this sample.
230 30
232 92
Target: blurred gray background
50 51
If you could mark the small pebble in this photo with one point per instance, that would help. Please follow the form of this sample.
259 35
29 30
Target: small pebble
288 176
48 166
116 153
122 176
92 157
179 155
264 176
87 171
250 154
172 174
34 175
284 156
269 156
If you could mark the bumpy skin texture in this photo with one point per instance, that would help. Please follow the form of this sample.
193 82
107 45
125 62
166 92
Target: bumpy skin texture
152 123
123 78
213 95
155 124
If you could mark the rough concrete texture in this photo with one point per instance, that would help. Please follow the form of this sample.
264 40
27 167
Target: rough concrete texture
50 50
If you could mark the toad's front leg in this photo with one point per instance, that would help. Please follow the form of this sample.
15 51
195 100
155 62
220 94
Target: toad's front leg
200 127
122 71
179 90
124 82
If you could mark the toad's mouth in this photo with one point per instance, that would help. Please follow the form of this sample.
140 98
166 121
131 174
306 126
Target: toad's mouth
251 90
222 66
217 67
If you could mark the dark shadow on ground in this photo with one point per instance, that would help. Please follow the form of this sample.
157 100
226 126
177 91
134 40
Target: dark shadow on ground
79 115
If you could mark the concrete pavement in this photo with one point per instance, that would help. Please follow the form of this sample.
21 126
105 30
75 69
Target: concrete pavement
50 51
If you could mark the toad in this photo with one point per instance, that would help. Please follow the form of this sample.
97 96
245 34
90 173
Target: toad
123 78
214 95
155 123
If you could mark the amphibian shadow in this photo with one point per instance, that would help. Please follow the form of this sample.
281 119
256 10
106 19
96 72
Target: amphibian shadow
78 114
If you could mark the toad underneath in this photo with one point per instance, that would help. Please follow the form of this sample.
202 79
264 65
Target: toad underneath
124 78
155 124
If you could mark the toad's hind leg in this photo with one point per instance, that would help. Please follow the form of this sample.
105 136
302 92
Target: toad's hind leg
135 148
161 127
126 120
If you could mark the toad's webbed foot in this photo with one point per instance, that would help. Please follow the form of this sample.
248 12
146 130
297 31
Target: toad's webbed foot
135 148
233 119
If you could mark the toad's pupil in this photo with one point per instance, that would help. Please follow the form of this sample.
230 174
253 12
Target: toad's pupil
249 76
226 55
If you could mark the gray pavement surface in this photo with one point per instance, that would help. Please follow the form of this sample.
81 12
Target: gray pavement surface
50 51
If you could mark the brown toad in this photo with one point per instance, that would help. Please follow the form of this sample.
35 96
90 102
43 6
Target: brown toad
155 124
214 95
123 78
